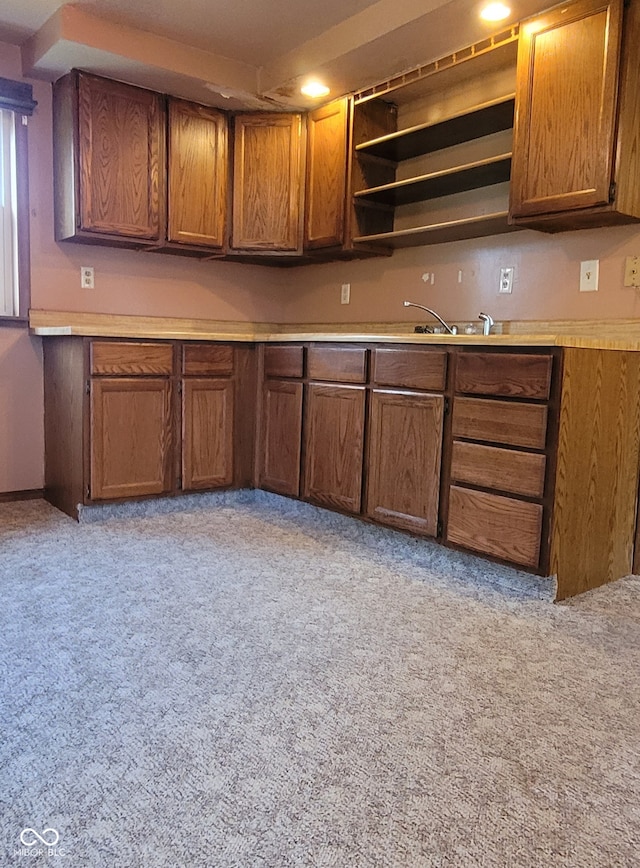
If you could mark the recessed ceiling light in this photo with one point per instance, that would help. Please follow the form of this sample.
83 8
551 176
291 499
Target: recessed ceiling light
314 89
495 12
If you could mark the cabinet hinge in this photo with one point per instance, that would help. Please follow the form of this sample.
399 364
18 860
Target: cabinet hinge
612 191
179 387
77 221
87 387
88 491
447 406
439 528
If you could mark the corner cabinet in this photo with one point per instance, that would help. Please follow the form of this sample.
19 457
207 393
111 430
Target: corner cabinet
136 418
109 161
577 131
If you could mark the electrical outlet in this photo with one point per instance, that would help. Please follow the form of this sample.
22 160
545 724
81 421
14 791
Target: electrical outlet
345 293
589 275
632 271
87 277
506 279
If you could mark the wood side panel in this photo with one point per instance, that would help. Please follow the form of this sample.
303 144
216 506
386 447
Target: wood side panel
207 433
285 360
340 364
65 156
131 437
500 469
409 368
567 69
281 437
510 423
122 167
334 444
628 163
509 375
404 455
326 175
597 469
64 397
266 181
502 527
131 358
202 360
197 174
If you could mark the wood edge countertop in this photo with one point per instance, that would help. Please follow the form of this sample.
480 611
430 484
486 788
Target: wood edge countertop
587 334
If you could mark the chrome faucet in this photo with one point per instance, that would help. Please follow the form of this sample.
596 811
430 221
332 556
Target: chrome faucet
487 322
452 330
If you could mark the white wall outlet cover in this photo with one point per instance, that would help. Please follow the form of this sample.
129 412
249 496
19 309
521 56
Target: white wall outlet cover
87 277
345 293
506 279
589 272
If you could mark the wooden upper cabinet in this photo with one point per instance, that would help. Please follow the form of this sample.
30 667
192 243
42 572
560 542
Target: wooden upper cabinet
326 180
197 174
267 182
576 86
109 160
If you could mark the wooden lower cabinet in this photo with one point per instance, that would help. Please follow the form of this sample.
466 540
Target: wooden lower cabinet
281 437
405 448
334 445
130 435
207 433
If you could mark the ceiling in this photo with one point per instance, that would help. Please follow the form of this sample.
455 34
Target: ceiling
243 53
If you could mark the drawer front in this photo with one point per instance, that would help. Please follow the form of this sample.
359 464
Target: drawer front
494 525
503 469
283 361
339 364
130 358
509 423
207 360
509 374
411 369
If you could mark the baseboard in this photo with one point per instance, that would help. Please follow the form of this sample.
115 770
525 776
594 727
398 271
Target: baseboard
27 494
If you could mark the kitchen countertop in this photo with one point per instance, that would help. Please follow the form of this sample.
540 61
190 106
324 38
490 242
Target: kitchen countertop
615 335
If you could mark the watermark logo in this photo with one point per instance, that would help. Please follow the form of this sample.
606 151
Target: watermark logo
49 837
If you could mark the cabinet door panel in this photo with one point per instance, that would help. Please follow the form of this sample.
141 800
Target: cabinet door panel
281 437
266 182
334 445
207 433
121 166
130 435
197 174
405 448
566 99
326 175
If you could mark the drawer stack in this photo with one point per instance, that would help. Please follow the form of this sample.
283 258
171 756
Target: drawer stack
499 456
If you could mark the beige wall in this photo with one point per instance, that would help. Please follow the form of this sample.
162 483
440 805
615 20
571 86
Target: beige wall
546 287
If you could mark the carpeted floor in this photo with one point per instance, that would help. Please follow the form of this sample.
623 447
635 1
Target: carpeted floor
247 681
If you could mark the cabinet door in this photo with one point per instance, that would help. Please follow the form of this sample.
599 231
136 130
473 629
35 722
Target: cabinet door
266 182
197 172
130 437
334 445
405 448
281 436
564 134
327 149
207 433
121 168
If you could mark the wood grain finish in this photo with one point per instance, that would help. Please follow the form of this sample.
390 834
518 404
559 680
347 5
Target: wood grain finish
404 455
334 445
502 469
512 423
566 101
281 437
412 369
121 166
207 433
130 437
283 361
266 182
628 155
504 375
128 358
597 469
197 174
326 175
339 364
214 360
502 527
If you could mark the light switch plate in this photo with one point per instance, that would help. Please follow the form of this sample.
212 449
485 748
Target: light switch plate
589 270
